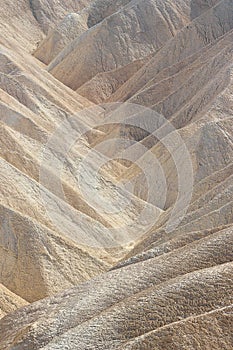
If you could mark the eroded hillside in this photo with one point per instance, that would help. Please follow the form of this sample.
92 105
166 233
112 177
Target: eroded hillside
116 187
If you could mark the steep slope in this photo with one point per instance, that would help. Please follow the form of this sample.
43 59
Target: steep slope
209 331
103 85
58 38
37 262
48 16
157 294
200 6
25 33
9 302
202 32
73 25
26 23
209 140
120 39
124 209
34 106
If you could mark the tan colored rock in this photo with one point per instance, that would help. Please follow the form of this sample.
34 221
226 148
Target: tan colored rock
119 40
103 85
154 296
73 25
202 31
37 262
13 25
98 10
9 301
210 331
133 271
48 16
25 24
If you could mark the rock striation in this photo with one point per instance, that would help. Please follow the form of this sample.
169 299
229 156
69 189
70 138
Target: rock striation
116 152
9 302
120 39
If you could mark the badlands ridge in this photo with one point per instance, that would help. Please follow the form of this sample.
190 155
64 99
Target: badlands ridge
116 174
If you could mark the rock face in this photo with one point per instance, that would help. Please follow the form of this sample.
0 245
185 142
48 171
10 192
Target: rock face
9 302
27 122
201 34
116 218
28 22
122 38
13 25
161 295
67 30
73 25
48 16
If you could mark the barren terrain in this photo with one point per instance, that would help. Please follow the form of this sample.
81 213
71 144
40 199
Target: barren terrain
116 174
